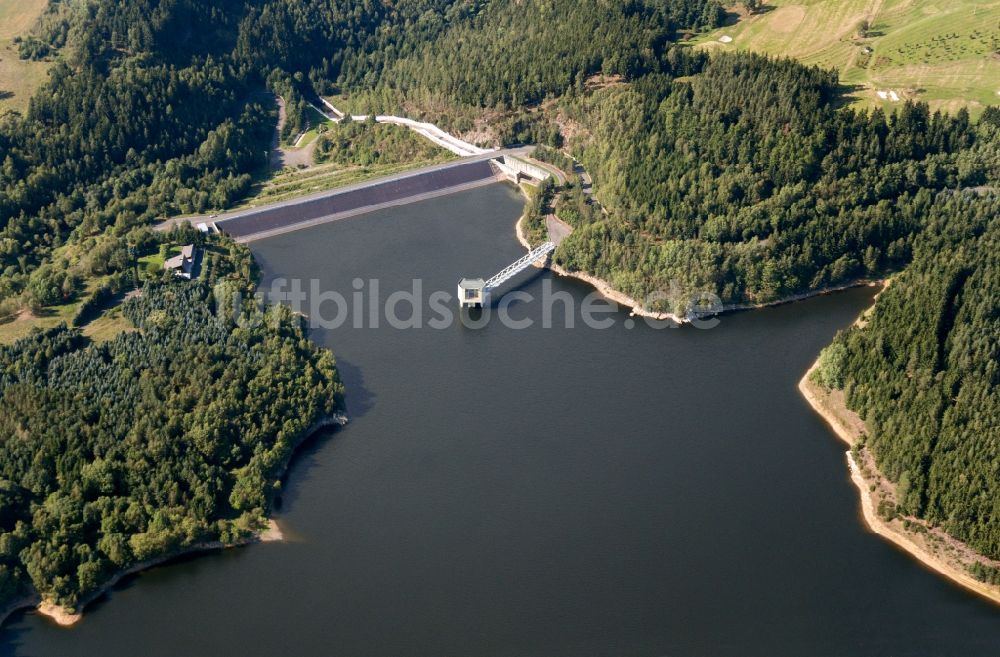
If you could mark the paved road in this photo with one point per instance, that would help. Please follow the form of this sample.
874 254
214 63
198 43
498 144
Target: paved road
558 229
430 131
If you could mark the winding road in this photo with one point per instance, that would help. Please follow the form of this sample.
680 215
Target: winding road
429 130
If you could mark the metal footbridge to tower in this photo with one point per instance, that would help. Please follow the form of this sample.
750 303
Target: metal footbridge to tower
473 291
519 265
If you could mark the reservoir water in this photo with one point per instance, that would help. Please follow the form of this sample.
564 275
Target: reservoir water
545 492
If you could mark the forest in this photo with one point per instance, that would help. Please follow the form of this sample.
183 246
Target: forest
747 181
156 108
160 439
368 143
176 432
924 373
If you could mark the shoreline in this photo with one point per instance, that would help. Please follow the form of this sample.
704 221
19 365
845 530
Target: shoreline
64 617
603 287
929 546
27 601
609 292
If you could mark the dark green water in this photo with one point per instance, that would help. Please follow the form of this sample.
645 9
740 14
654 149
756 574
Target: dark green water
549 492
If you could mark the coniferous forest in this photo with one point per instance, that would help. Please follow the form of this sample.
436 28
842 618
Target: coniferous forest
158 440
747 182
924 373
735 174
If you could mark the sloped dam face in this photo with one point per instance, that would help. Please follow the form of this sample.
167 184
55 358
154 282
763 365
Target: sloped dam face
356 199
558 492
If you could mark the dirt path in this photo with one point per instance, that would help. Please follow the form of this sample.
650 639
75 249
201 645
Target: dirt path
277 156
281 157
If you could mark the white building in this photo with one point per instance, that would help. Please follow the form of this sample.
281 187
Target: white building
471 292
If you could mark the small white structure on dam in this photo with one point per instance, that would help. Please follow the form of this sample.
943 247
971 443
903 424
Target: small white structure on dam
517 170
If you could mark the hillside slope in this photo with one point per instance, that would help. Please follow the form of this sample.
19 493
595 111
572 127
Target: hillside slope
944 53
19 78
923 371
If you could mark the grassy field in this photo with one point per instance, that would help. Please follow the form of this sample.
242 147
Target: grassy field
13 329
107 326
382 150
297 182
108 321
315 120
154 261
18 78
946 52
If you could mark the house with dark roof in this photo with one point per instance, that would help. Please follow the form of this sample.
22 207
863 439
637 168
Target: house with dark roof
182 264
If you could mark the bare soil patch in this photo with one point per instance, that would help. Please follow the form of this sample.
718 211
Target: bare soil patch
787 19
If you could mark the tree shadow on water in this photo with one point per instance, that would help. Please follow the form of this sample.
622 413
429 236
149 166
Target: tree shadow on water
12 634
358 402
358 399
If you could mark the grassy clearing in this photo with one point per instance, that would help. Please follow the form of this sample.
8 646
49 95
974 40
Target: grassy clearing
107 326
298 182
154 261
12 329
19 16
944 52
18 78
347 104
108 323
151 260
315 120
15 329
103 328
353 153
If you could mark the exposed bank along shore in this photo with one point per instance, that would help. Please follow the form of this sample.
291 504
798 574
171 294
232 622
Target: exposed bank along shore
68 617
930 545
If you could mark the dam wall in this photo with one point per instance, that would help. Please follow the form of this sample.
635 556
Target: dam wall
340 204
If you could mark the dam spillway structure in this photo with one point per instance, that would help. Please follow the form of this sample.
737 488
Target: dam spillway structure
473 292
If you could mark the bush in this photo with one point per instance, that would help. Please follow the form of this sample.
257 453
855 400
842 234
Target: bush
89 309
829 372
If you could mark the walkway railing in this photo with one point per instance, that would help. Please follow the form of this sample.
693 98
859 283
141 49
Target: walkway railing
520 265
